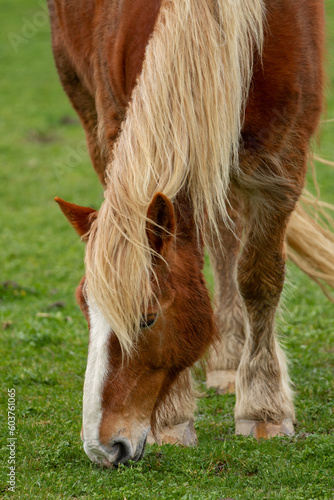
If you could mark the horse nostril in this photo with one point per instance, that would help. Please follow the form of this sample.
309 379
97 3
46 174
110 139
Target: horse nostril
122 452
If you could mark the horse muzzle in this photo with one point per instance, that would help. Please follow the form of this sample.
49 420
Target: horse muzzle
120 450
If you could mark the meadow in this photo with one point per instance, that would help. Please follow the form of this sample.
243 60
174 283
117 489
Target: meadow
44 336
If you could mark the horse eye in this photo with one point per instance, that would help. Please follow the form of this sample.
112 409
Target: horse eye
148 321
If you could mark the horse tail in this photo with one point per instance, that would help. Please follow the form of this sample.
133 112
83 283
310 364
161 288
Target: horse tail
181 131
310 242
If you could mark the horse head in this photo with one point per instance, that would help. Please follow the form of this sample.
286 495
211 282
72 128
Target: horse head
123 391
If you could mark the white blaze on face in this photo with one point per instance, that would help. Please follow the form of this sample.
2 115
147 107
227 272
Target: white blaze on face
132 433
96 372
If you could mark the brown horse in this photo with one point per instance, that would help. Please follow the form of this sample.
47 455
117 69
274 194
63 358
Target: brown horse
198 116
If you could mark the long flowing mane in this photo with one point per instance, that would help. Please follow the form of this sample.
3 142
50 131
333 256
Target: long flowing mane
181 131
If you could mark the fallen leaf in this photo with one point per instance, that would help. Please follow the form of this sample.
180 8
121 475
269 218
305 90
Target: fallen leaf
6 324
43 315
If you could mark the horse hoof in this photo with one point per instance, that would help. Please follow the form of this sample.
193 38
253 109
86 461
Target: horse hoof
260 429
221 380
183 434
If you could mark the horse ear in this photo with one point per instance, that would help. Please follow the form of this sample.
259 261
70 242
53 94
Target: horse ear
160 227
80 218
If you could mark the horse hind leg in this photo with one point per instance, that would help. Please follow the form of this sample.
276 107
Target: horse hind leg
264 405
174 417
225 355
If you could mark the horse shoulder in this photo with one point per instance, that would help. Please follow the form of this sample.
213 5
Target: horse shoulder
287 87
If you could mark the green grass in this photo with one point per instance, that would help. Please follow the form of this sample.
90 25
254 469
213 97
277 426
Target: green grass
44 336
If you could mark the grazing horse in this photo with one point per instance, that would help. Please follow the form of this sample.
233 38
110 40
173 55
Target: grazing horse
198 116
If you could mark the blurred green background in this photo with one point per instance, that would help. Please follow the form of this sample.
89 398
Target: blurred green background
44 336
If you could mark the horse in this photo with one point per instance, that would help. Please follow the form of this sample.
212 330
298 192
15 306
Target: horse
198 117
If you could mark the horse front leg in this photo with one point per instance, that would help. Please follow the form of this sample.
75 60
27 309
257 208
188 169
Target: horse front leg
264 405
225 355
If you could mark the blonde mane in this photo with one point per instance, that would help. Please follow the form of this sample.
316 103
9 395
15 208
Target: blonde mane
181 131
